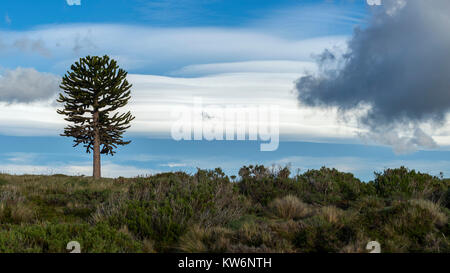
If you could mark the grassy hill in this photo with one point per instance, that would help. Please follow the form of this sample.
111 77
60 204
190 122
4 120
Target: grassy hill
261 211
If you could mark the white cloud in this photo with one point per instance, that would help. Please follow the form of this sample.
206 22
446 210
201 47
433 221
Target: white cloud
267 78
167 49
73 2
402 140
108 170
217 57
153 98
274 66
19 157
173 165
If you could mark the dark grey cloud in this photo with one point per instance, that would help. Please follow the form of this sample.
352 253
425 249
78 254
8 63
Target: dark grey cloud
399 65
27 85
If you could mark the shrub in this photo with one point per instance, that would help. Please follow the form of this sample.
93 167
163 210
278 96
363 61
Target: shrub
262 186
54 238
331 187
258 172
438 217
3 181
317 234
258 237
88 196
289 207
212 239
404 226
111 208
331 214
403 183
446 199
11 195
163 207
368 203
358 245
403 210
192 241
19 213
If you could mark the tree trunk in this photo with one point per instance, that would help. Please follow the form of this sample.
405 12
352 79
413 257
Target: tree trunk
97 164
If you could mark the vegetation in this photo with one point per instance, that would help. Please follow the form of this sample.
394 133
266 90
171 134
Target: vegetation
266 210
94 90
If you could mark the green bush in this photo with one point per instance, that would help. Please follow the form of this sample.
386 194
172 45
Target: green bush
262 186
88 196
320 235
3 181
403 183
446 199
404 226
53 238
324 186
163 207
329 186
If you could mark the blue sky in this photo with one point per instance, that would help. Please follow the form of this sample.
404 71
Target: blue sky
288 19
228 52
26 14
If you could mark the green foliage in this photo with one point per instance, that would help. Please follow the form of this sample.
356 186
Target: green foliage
320 235
54 238
162 208
329 186
446 199
267 210
402 182
324 186
93 90
3 182
262 185
404 226
87 196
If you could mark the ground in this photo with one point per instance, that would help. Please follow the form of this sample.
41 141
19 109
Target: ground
264 210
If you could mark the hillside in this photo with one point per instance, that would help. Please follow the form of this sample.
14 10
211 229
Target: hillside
261 211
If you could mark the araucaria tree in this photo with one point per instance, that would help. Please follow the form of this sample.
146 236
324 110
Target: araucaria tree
94 90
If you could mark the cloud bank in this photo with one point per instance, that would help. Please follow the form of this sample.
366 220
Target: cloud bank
398 67
27 85
154 98
151 50
109 169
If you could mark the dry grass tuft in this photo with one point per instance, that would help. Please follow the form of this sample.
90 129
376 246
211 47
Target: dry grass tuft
289 207
331 214
205 239
439 218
